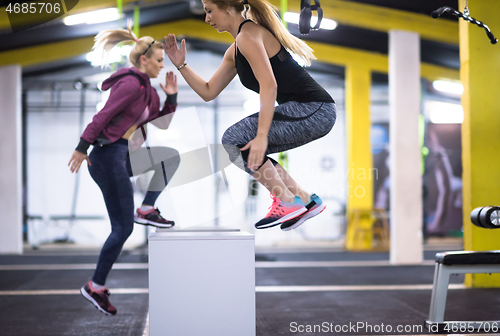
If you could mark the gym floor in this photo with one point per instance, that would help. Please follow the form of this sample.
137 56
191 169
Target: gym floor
345 293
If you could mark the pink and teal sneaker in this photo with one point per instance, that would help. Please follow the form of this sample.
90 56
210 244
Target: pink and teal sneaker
280 212
314 207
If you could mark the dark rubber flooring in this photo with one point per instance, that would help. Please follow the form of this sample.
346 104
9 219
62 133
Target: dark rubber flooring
71 315
354 312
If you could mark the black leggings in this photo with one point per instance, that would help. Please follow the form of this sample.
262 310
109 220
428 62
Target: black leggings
294 124
111 168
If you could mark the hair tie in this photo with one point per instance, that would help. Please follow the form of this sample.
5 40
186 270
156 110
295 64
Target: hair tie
136 40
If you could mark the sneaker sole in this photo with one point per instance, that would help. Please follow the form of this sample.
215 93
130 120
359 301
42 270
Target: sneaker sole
94 302
150 223
307 216
292 215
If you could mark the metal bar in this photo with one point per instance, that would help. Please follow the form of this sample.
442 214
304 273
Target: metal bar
119 5
137 20
77 177
283 10
215 159
468 269
73 217
24 146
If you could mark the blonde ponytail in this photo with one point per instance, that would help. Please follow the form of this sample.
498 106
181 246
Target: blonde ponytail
108 39
266 15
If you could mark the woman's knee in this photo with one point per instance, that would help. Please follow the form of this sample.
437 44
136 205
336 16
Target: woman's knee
230 144
128 232
125 233
328 119
227 139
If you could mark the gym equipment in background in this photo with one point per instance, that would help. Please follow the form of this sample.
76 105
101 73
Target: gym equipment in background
487 217
306 14
463 262
465 15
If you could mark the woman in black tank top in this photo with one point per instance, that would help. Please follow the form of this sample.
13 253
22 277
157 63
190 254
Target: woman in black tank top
306 112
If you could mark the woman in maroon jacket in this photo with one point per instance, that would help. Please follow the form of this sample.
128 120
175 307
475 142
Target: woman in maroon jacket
132 103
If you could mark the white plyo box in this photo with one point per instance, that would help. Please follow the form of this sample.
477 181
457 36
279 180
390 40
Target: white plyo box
201 282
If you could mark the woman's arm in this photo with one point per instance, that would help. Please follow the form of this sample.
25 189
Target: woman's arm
170 88
252 47
122 95
206 90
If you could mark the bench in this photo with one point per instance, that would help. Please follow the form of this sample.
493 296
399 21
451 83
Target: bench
458 262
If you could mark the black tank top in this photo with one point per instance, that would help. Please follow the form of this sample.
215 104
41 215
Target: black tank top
294 83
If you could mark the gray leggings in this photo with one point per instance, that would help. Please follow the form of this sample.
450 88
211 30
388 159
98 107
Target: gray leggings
294 124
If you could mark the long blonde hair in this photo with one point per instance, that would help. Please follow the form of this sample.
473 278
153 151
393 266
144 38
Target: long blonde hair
265 14
108 39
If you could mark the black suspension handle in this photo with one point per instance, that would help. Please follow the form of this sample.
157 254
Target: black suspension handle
440 11
493 39
317 7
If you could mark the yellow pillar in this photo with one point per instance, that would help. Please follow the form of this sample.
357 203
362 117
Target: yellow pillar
359 156
480 75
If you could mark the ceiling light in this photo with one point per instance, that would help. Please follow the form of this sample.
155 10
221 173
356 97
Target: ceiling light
125 50
97 78
448 87
325 23
98 16
95 58
114 55
444 113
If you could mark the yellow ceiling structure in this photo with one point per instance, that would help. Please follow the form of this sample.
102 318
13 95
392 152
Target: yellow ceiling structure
344 12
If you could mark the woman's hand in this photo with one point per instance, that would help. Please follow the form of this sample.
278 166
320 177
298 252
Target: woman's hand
177 56
76 161
258 147
170 83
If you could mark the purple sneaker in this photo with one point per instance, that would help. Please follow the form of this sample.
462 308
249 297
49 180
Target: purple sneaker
99 298
152 217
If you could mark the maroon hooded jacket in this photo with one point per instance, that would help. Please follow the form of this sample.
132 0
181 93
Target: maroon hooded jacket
131 92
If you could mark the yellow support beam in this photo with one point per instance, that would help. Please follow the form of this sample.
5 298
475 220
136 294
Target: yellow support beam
47 53
359 157
434 72
67 49
383 19
480 69
343 56
187 28
330 54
